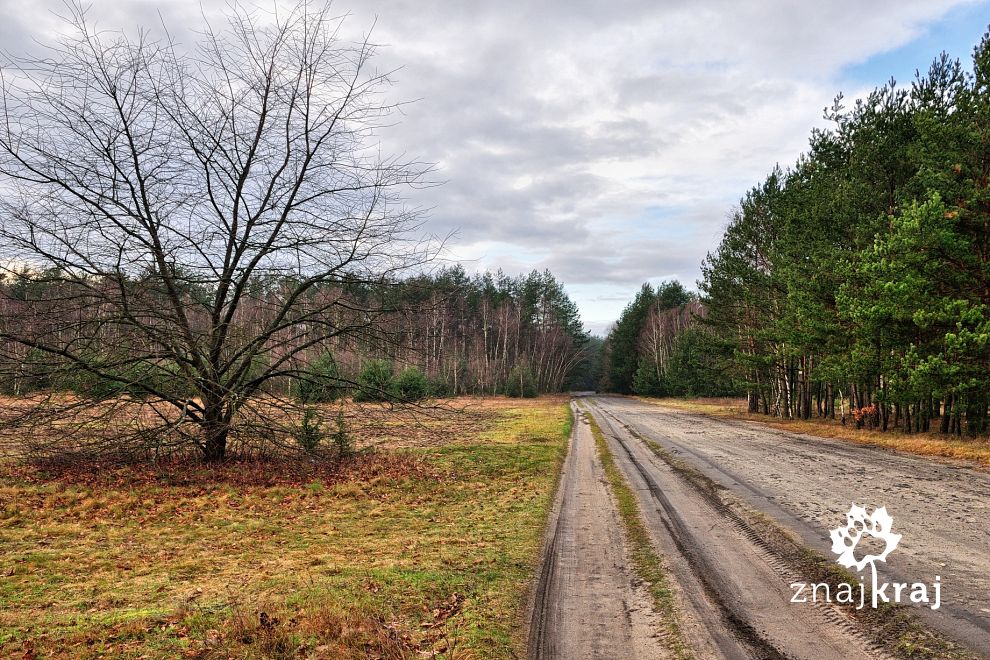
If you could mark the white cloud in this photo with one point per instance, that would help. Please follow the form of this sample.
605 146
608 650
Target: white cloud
607 141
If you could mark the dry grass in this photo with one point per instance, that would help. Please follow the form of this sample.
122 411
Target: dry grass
426 550
445 422
976 450
432 423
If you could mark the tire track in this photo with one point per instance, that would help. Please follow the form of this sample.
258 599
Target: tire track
588 603
757 641
805 483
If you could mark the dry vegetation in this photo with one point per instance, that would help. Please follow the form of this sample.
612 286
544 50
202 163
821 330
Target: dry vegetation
924 444
421 550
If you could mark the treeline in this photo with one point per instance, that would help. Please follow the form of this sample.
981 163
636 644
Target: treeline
659 348
859 278
485 334
441 334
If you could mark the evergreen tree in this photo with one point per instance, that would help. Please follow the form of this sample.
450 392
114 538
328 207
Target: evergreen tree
623 342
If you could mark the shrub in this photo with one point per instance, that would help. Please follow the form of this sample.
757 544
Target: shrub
374 381
119 376
37 371
320 382
309 435
521 383
166 377
411 385
342 438
91 385
645 380
439 387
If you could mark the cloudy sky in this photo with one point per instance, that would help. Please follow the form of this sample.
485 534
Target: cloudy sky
607 141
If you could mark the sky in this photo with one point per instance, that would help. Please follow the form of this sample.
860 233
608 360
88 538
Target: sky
606 141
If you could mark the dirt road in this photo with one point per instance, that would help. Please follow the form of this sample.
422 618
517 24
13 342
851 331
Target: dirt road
731 586
588 602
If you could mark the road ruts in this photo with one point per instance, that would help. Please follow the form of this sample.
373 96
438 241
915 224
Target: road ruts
588 602
711 550
807 484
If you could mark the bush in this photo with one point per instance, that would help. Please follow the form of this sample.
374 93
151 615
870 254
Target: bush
119 377
320 382
645 380
439 387
521 383
37 371
341 438
411 385
374 381
309 435
168 378
694 368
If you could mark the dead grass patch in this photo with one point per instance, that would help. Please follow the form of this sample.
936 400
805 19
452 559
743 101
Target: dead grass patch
402 552
247 472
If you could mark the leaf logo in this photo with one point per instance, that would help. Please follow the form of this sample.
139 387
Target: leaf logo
858 523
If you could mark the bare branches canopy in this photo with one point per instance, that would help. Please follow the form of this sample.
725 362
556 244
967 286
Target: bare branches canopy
195 214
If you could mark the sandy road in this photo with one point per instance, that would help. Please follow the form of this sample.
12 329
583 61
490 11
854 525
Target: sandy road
588 601
806 484
734 594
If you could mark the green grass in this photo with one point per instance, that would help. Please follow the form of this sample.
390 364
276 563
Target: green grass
389 563
647 563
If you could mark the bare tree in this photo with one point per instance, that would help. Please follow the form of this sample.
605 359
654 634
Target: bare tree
662 329
184 223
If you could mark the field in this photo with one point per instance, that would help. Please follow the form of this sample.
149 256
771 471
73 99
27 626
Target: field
423 547
976 450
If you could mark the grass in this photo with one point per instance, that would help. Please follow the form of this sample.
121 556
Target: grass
976 450
423 551
647 563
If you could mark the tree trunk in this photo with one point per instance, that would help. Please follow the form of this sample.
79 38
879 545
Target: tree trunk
946 415
215 440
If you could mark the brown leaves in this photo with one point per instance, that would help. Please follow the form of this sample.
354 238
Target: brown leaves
28 652
267 621
447 609
440 635
321 631
190 473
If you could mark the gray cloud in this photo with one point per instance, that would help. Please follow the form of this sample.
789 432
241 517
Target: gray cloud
560 126
619 263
